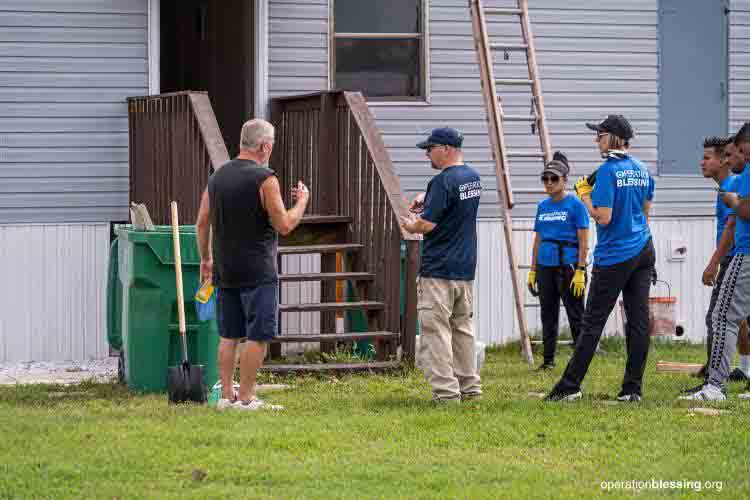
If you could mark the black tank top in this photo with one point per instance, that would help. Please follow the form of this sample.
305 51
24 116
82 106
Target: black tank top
244 243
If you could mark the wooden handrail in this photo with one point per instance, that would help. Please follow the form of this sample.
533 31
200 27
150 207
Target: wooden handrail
174 143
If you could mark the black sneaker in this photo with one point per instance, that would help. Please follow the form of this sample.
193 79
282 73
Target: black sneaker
737 375
565 396
546 366
693 390
629 398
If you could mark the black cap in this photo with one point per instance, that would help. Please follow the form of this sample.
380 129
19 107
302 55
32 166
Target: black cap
743 134
558 165
445 136
614 124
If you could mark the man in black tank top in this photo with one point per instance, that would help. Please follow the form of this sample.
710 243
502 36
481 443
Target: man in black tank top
243 212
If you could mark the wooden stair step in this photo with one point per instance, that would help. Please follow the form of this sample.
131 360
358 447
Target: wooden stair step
334 337
327 277
326 219
331 248
332 306
332 367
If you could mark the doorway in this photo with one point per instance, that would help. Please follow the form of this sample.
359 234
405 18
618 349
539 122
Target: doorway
208 45
692 81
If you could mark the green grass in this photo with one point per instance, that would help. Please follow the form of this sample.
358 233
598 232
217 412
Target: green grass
375 436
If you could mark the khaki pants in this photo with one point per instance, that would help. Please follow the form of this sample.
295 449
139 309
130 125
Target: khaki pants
446 344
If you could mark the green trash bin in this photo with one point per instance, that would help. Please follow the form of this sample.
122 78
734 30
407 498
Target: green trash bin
149 326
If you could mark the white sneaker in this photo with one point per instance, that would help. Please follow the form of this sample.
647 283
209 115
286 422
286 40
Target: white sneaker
708 393
224 404
744 395
255 404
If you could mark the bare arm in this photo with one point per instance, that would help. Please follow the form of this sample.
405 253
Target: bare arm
284 221
583 246
602 215
646 209
203 230
726 243
535 250
417 225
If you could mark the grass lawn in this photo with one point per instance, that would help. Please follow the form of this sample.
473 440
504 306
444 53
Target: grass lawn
377 436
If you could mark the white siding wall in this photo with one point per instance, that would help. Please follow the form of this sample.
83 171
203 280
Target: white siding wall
494 310
52 304
739 63
65 70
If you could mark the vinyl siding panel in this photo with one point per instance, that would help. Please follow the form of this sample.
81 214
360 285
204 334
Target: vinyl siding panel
588 69
65 71
53 306
739 63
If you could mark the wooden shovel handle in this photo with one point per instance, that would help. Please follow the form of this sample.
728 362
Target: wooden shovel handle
178 268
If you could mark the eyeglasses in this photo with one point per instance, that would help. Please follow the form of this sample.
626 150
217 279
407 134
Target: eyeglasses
433 146
599 135
554 179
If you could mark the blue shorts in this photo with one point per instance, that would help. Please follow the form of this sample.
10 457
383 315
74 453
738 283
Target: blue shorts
251 313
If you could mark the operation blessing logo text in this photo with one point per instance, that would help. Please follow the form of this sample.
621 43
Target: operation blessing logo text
470 190
637 178
553 217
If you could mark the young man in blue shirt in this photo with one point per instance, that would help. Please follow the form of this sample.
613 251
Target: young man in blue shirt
733 302
558 263
624 257
448 221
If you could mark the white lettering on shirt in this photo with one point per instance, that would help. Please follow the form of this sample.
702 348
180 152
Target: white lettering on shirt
470 190
553 217
633 178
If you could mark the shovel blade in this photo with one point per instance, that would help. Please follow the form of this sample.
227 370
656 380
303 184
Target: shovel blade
185 384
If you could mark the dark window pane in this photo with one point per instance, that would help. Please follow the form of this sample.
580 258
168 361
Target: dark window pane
378 68
377 16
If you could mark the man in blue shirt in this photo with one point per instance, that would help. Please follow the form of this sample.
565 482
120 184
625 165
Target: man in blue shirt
624 257
733 302
448 220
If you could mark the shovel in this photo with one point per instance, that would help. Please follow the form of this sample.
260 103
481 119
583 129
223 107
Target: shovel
184 382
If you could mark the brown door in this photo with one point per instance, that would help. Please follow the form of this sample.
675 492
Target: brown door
207 45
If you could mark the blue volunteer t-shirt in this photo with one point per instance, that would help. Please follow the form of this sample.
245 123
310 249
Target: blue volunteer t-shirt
723 212
624 185
450 250
559 221
742 226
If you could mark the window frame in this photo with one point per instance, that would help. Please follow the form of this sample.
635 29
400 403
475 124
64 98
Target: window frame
424 55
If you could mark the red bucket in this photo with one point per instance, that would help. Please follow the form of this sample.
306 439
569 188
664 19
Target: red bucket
662 314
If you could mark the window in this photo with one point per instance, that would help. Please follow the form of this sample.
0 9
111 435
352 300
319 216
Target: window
378 47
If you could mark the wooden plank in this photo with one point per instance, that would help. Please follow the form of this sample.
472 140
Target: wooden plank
675 367
323 249
333 337
328 167
342 276
332 306
209 128
325 219
332 367
409 325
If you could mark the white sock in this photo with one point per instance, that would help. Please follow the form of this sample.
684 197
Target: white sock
744 363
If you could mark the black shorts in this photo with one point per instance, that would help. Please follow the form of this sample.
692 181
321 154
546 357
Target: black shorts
251 313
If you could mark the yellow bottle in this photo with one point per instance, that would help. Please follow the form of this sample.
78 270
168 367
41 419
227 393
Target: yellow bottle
204 292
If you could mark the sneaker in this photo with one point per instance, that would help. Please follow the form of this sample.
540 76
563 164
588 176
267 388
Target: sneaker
707 393
556 395
702 372
546 366
256 404
737 375
224 404
473 396
693 390
629 398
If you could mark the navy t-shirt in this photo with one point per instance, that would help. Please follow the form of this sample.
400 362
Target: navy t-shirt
560 221
624 185
722 211
451 203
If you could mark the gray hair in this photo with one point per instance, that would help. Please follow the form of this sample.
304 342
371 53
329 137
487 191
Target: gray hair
254 133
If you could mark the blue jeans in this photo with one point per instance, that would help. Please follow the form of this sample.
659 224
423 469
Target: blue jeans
251 313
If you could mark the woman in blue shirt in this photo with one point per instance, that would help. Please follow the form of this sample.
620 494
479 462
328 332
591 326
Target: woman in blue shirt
558 264
618 199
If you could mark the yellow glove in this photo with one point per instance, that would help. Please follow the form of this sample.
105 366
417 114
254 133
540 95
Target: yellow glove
531 283
583 188
578 283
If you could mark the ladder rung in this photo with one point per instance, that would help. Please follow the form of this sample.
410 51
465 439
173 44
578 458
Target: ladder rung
519 118
532 304
523 266
502 12
513 81
509 46
524 154
523 229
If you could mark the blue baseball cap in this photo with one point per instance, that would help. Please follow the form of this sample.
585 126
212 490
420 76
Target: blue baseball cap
445 136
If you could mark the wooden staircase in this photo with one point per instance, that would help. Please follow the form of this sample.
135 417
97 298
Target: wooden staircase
328 140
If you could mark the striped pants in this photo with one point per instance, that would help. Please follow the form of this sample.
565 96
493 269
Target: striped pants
732 306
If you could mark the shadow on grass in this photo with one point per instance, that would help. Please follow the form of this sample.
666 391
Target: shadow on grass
50 395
